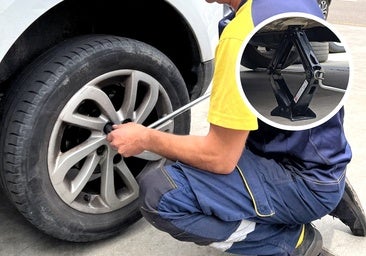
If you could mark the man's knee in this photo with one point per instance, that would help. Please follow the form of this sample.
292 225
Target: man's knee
153 185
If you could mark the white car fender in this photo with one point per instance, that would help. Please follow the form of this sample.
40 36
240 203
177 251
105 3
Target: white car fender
203 19
16 16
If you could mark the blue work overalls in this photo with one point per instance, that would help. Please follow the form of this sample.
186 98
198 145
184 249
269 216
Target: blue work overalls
283 179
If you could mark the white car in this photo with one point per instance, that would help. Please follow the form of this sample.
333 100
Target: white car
70 67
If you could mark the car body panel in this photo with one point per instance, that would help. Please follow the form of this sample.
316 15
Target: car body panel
16 16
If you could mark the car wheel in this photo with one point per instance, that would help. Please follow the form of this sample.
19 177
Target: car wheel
321 50
261 57
57 167
335 47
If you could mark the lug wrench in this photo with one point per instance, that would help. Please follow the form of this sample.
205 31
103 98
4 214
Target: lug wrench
109 126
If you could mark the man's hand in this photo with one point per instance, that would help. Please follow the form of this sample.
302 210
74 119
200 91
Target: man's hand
128 139
218 151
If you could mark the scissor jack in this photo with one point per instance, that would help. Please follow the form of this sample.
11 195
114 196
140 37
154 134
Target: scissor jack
295 107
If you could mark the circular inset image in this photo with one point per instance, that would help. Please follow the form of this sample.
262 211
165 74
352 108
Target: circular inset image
287 75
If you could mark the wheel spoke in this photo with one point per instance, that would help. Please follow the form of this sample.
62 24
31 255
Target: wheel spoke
67 160
96 95
130 182
150 156
108 188
82 178
149 101
129 100
83 121
141 112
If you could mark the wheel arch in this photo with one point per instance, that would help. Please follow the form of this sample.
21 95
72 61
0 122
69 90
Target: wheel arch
158 23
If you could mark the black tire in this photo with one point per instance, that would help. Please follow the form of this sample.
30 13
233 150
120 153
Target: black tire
335 47
258 57
52 133
254 58
321 50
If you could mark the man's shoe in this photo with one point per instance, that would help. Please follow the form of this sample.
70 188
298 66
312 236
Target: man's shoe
312 243
350 212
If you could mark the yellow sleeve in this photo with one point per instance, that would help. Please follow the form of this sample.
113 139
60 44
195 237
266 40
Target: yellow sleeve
227 107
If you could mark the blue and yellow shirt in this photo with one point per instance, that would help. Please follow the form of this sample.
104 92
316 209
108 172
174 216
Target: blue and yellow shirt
320 154
232 113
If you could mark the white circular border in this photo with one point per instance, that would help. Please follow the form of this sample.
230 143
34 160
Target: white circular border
238 70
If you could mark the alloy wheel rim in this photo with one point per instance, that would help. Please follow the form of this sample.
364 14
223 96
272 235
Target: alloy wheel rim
88 174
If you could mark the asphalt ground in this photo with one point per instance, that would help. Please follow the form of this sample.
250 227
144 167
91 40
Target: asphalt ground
18 237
